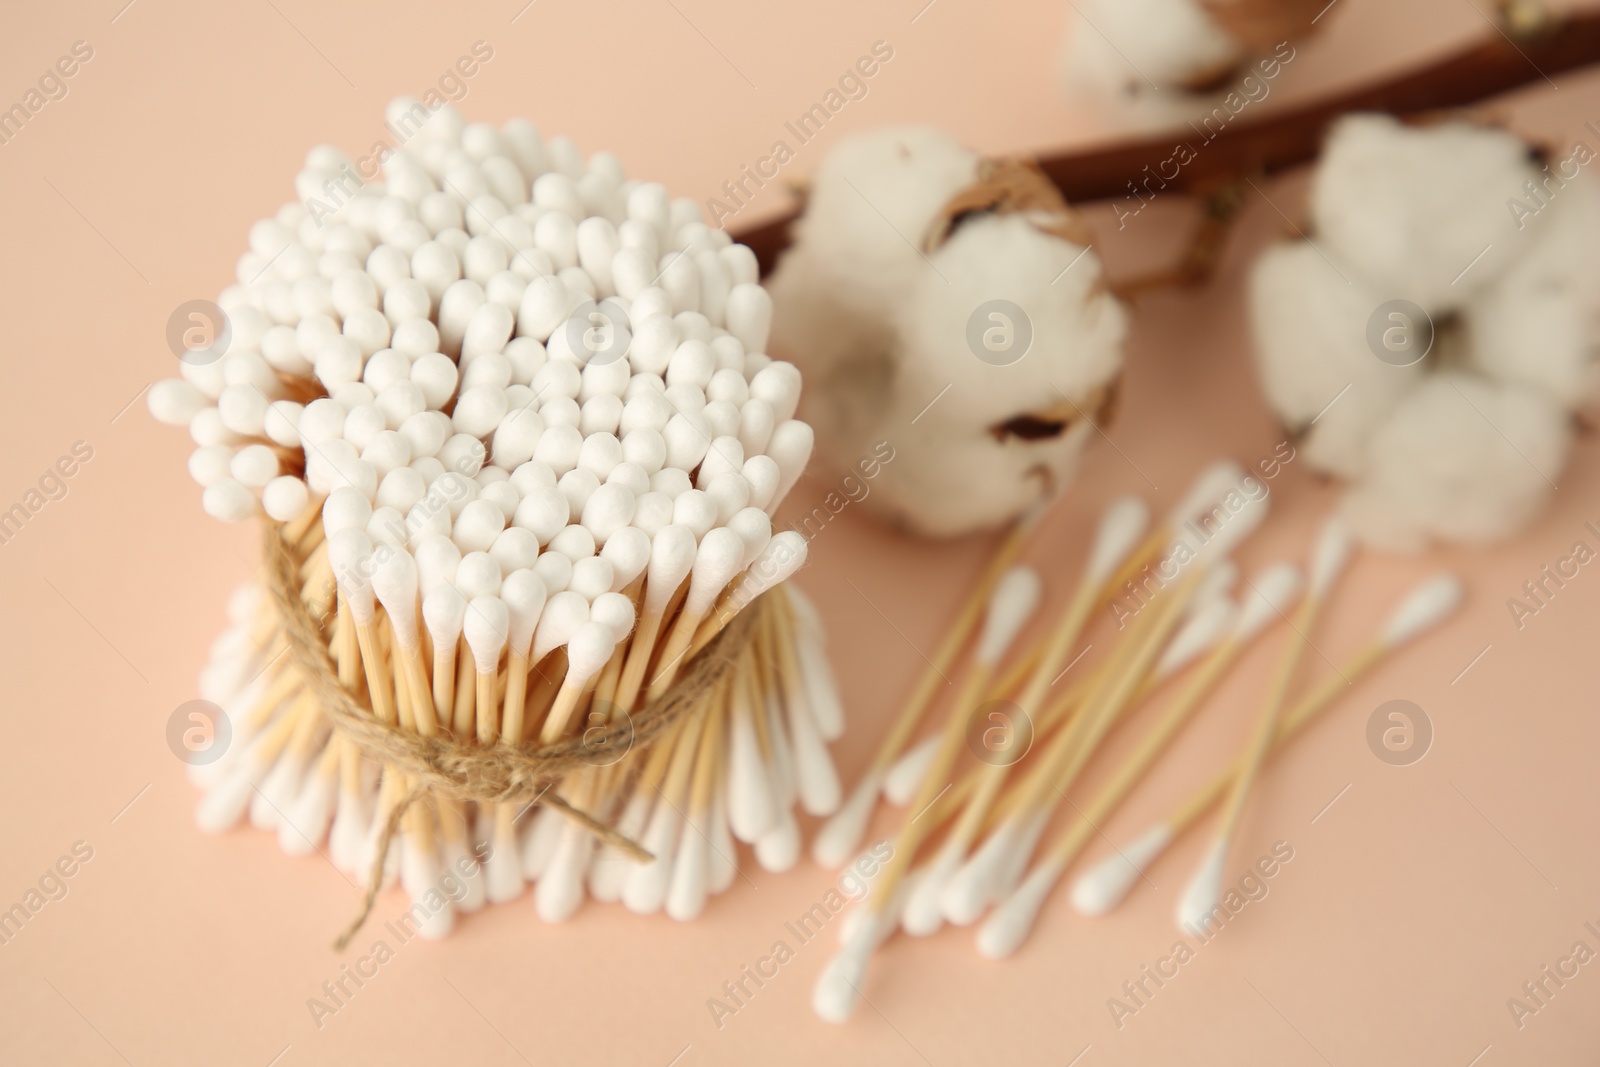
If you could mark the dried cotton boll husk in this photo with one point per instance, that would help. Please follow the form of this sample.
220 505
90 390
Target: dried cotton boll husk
1459 459
1313 360
1410 209
1539 325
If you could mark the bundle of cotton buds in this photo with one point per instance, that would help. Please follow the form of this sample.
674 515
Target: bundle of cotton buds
1431 338
515 415
1166 61
919 269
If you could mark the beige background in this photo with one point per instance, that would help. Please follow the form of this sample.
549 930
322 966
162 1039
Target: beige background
1415 905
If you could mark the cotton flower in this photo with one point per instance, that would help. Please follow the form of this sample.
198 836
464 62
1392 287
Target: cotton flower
1539 324
1459 459
1315 366
968 326
1165 61
1412 209
1417 230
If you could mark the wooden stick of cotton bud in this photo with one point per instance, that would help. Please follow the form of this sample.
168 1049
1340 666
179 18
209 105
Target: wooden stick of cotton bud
487 626
350 552
859 806
672 556
1119 529
1105 885
394 580
716 562
524 596
1012 601
783 555
1273 591
1333 549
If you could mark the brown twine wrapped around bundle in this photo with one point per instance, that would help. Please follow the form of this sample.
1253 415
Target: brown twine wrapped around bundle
444 767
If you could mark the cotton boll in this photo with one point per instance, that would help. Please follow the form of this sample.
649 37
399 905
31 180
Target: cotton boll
1410 209
1313 358
1116 49
1538 325
872 195
1459 459
960 467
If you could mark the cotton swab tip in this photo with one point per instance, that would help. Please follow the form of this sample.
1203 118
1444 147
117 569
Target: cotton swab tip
922 915
1204 890
486 626
840 835
588 649
1271 594
1428 605
1209 485
1202 630
1106 884
1003 932
906 773
838 988
443 610
1124 522
1335 545
1015 597
968 891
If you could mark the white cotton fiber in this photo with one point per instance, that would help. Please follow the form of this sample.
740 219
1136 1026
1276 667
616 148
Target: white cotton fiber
881 317
869 208
1538 325
1459 459
1419 213
1117 48
1312 355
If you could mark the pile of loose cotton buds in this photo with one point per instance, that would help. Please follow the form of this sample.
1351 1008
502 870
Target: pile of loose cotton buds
974 846
1169 61
527 511
1434 335
921 269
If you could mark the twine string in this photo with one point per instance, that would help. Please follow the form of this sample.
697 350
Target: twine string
440 766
